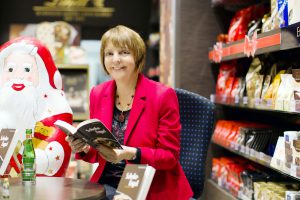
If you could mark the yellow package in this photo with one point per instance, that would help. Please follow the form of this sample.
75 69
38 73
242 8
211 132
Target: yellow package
272 90
252 79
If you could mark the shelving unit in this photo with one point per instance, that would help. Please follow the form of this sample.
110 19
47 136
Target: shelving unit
258 157
76 88
266 42
278 41
275 40
292 119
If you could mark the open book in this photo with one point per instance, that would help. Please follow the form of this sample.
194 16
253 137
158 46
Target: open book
135 182
92 131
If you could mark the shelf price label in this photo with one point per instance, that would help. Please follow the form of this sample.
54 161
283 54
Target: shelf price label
243 149
265 158
247 150
217 52
250 45
254 153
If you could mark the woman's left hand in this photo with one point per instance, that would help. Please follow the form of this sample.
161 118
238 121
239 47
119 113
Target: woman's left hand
116 155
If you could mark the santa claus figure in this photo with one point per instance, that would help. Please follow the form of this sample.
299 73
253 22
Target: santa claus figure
31 96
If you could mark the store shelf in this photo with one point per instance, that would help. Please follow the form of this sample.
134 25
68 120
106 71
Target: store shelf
258 157
275 40
215 192
283 44
259 109
263 114
250 154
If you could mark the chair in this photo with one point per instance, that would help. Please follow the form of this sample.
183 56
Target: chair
197 116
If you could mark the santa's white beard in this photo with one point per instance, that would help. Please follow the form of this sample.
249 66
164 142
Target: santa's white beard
18 108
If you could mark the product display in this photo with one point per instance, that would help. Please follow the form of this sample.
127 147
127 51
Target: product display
262 88
246 136
259 118
239 25
246 180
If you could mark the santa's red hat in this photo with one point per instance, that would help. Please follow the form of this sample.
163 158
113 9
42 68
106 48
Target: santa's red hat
55 79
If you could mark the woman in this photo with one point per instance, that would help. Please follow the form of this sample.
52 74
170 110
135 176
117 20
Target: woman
142 114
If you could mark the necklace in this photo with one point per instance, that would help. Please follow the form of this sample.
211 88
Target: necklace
121 117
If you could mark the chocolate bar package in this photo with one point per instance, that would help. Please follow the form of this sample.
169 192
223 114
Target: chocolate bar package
256 138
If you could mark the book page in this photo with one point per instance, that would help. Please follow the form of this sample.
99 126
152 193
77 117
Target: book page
88 121
146 182
66 127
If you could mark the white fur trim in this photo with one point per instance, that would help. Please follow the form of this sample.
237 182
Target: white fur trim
55 153
42 161
57 80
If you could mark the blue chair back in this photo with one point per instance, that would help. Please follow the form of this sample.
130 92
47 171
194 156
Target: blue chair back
197 117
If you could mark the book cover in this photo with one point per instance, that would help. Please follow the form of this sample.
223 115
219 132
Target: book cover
92 131
135 182
8 142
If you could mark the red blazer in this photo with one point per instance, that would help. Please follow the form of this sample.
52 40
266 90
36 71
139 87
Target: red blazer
154 127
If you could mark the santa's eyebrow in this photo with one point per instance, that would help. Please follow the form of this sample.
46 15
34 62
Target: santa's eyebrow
27 64
10 64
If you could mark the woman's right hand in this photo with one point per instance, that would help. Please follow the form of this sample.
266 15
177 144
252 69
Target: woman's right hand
77 145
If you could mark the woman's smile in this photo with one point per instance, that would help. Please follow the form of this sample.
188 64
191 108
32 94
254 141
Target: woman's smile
119 68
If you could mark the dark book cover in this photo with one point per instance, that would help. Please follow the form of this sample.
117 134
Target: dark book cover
92 131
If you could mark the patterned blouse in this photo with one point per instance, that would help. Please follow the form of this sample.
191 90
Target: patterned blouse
112 172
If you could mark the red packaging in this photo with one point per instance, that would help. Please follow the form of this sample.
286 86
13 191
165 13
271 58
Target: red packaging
239 23
225 78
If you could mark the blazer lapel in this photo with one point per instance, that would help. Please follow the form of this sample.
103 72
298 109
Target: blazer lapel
107 105
137 107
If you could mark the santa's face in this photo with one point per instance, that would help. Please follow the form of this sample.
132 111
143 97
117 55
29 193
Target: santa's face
18 93
18 69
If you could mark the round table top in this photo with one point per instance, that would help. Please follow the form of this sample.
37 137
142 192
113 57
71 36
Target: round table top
55 188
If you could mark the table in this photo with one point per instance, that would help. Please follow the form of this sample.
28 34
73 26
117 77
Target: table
55 188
